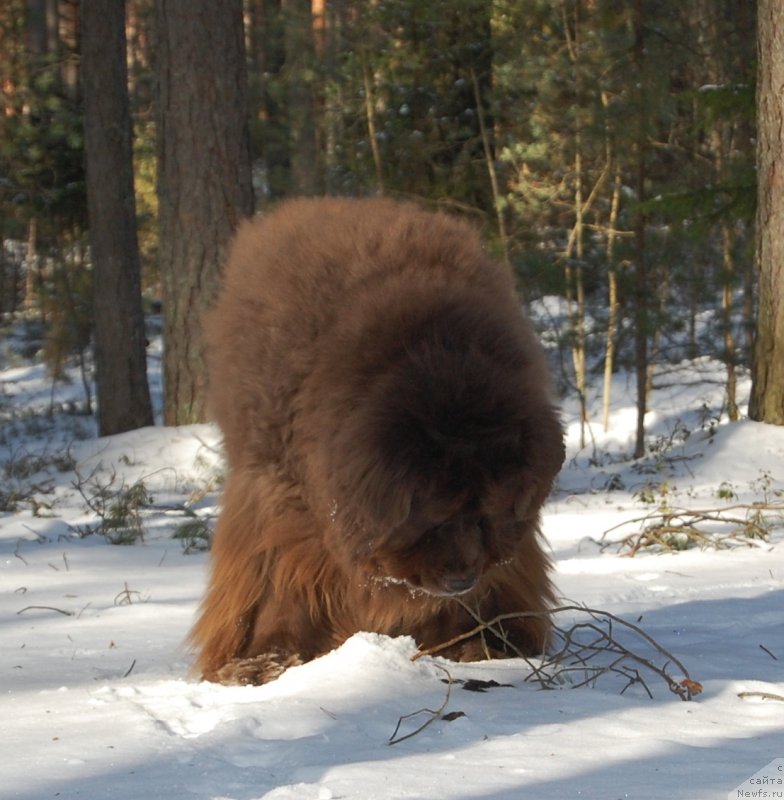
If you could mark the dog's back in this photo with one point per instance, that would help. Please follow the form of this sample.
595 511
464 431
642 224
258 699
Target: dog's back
293 275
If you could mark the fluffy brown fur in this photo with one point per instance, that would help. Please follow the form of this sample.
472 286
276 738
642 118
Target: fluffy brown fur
390 440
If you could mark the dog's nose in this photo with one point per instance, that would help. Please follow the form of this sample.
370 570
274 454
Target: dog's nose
459 584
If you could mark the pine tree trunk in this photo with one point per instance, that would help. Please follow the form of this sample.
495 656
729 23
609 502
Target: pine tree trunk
31 265
767 392
204 184
578 320
641 289
120 357
370 121
727 309
306 170
612 299
492 173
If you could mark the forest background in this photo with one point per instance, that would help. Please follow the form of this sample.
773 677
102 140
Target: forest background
608 151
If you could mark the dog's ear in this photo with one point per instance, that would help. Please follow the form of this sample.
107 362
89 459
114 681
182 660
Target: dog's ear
381 497
394 506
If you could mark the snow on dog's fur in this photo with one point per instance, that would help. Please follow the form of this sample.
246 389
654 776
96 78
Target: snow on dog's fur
390 440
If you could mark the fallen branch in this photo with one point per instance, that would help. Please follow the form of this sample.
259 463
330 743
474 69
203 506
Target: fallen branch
576 656
584 657
671 529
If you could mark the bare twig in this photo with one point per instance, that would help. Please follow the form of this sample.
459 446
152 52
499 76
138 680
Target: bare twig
670 529
762 647
46 608
588 657
482 626
434 715
20 557
575 655
762 695
125 597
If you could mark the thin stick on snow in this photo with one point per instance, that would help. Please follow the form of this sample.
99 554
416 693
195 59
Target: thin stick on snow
434 715
46 608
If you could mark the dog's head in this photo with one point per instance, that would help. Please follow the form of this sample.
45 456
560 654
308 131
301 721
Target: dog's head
440 473
447 542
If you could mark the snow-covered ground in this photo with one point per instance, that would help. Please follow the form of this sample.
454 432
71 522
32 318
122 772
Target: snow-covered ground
97 701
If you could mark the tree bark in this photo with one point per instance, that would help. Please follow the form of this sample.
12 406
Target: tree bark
613 305
306 173
767 391
727 309
204 179
120 357
641 288
370 118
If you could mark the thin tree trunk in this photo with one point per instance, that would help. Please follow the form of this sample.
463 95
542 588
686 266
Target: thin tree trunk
641 268
575 286
69 36
612 300
370 115
120 356
722 145
575 292
749 282
300 60
31 264
660 278
727 306
267 56
578 319
491 170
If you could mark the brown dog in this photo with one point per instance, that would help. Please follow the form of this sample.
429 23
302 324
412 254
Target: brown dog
390 441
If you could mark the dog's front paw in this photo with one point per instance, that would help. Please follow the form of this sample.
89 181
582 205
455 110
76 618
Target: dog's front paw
256 670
